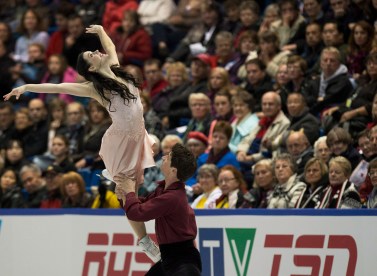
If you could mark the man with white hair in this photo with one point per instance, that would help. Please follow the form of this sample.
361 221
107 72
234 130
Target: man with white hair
259 143
33 183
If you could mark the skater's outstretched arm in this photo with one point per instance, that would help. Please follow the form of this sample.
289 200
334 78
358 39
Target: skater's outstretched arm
85 89
106 42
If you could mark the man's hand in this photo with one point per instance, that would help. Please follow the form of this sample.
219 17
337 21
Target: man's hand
197 189
15 92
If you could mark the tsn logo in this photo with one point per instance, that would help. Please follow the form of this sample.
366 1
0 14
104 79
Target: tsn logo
116 257
313 261
280 254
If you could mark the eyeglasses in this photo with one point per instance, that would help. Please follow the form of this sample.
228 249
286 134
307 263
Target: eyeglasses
73 113
197 105
372 173
225 180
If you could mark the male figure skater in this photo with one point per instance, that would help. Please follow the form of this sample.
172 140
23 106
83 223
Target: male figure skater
175 223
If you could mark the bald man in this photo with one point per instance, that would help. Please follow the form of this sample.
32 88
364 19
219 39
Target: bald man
258 144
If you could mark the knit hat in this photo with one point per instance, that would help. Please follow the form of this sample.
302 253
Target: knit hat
205 58
198 136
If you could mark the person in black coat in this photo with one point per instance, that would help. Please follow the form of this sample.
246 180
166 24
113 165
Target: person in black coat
333 87
10 191
258 82
316 178
179 112
340 143
77 41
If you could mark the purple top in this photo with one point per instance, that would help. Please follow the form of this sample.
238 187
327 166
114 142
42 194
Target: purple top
175 219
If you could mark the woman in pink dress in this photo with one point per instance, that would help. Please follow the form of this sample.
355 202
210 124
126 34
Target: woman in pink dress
126 147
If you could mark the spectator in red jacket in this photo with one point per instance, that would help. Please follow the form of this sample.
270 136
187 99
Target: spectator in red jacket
133 43
56 42
113 14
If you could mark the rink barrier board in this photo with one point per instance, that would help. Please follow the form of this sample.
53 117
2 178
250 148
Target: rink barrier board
232 242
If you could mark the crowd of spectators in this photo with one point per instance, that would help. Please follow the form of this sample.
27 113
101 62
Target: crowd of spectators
276 99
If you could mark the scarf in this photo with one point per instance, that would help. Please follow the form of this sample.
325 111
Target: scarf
264 124
214 159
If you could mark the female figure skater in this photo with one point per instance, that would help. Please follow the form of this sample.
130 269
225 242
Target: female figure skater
126 146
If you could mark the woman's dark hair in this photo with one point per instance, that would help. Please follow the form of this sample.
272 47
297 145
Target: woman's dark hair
368 28
63 138
10 144
102 83
225 128
63 64
22 29
2 172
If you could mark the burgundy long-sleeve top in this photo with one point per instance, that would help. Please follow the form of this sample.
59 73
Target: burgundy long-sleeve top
175 219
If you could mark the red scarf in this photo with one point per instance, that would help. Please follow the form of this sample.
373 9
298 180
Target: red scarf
264 124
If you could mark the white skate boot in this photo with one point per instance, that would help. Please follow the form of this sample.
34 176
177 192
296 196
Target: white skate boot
150 248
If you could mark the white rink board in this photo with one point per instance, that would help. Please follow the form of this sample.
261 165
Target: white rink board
231 242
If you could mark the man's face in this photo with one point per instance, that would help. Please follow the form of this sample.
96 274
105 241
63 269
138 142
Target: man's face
75 27
74 114
331 35
35 53
199 109
53 180
224 48
209 17
61 22
366 146
152 74
254 74
270 106
59 148
294 71
329 63
166 164
339 7
296 144
22 121
6 118
373 138
37 110
31 181
313 35
199 70
295 105
312 8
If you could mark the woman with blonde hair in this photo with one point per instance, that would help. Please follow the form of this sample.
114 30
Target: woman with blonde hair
218 80
263 186
340 193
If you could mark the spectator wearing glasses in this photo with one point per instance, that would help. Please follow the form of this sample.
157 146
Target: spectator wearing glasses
288 189
232 186
372 172
340 143
154 81
316 177
206 187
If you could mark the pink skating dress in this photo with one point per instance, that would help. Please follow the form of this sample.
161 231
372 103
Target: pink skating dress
126 146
